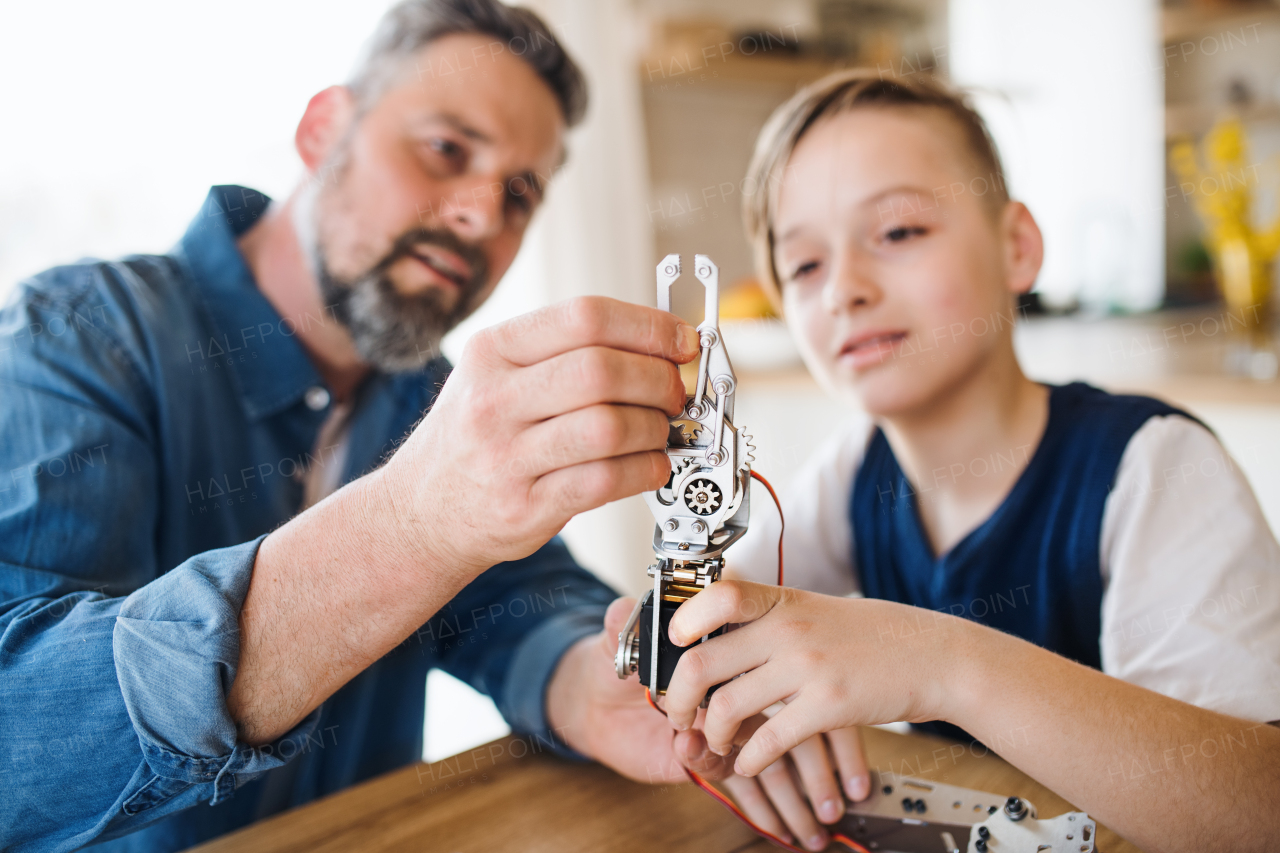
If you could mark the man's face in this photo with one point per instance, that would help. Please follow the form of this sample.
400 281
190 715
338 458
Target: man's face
424 201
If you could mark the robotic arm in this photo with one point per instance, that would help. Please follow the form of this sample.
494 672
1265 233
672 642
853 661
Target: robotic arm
705 505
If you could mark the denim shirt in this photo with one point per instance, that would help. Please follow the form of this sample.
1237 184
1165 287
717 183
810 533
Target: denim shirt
156 417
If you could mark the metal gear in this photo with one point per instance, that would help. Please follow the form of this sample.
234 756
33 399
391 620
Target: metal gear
702 496
746 451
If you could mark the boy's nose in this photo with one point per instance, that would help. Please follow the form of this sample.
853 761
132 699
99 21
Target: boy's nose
849 288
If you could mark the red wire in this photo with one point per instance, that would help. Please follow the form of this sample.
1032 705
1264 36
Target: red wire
782 522
707 786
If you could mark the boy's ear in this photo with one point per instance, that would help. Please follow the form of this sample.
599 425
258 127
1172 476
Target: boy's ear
324 123
1024 247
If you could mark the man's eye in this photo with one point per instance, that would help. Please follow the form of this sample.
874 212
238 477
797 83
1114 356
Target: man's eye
520 202
903 233
446 148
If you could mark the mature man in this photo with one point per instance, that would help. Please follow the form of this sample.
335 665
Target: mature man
201 625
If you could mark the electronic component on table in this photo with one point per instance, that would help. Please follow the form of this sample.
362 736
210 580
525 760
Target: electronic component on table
909 815
705 505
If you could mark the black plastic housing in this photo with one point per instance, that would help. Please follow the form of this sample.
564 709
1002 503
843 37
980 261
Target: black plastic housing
668 652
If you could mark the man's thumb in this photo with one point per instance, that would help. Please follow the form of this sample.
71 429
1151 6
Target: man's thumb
614 620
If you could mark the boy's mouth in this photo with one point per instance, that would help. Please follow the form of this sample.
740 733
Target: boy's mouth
870 348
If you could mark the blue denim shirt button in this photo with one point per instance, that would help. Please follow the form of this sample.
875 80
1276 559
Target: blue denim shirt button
317 398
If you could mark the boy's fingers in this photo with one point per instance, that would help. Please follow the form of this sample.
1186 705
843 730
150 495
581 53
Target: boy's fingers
851 759
743 698
788 728
719 604
707 664
819 778
591 321
780 785
751 798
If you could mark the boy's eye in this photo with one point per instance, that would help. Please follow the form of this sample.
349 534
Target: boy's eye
902 233
803 270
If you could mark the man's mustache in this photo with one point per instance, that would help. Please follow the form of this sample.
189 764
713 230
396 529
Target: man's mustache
410 243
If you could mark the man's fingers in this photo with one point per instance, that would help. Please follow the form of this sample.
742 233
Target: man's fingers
569 491
596 432
818 776
719 604
691 750
780 786
614 620
751 798
851 759
590 375
591 321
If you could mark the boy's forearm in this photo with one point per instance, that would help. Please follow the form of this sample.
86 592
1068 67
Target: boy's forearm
332 591
1162 773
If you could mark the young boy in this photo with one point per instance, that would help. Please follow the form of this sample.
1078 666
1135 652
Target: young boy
983 509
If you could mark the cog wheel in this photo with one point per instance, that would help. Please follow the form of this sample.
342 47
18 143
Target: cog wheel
746 451
702 496
684 433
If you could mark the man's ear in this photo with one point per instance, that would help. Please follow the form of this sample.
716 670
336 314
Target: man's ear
1024 247
327 118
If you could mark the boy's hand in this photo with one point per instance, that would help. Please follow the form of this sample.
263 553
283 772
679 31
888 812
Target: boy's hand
835 662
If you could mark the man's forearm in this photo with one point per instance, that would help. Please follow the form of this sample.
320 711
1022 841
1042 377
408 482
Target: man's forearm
332 591
1162 773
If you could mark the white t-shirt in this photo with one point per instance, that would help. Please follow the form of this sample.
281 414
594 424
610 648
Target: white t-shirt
1190 569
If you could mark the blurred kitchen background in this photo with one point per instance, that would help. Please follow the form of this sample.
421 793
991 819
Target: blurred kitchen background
1144 137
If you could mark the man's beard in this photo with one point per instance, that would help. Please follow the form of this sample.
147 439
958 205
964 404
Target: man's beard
393 332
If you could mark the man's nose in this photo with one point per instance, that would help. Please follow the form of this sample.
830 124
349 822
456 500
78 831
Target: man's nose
474 210
850 286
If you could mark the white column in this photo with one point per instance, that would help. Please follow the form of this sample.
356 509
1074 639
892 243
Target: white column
1074 96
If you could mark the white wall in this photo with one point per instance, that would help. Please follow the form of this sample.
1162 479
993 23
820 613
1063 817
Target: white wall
1074 97
119 116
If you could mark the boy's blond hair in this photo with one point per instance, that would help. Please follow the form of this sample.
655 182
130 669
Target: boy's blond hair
834 94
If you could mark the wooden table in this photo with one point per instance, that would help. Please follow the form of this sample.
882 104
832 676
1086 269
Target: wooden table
508 795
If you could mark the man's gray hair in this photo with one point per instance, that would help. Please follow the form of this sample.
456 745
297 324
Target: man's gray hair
411 25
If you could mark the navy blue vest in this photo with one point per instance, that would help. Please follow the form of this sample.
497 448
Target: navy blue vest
1032 568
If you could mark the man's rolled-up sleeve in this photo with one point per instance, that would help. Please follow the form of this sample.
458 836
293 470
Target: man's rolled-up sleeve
114 710
176 645
506 632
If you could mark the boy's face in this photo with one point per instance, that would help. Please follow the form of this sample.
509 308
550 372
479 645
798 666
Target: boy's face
893 266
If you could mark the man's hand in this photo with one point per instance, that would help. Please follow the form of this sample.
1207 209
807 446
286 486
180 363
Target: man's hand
800 792
546 416
609 719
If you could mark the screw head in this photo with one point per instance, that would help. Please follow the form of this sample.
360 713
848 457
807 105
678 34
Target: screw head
715 458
